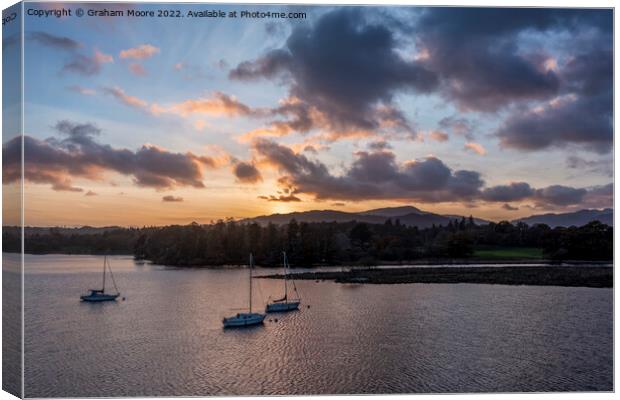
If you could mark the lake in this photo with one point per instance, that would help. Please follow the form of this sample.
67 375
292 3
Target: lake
166 337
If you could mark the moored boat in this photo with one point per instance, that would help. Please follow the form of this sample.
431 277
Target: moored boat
284 303
99 295
247 318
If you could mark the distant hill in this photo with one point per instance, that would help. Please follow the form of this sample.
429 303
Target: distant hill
394 211
407 215
577 218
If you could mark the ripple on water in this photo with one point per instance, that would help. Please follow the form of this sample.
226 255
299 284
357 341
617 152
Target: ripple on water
167 338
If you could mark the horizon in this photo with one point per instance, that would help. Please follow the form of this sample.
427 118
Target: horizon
136 122
275 214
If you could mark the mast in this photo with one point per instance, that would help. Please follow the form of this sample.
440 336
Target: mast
285 277
251 262
105 260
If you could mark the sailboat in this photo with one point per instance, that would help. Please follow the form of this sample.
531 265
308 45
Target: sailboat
245 319
97 295
284 303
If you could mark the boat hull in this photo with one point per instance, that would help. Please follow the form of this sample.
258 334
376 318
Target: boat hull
99 298
243 319
282 307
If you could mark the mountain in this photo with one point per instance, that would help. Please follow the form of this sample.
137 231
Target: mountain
394 211
407 215
577 218
316 216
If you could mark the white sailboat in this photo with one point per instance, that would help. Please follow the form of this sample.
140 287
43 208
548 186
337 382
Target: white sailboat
284 303
245 319
98 295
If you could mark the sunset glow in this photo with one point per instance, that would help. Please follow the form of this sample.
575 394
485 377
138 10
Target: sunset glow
137 123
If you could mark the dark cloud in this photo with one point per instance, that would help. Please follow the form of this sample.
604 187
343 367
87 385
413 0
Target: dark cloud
554 195
560 195
90 193
583 116
374 175
88 65
78 63
171 199
379 145
378 175
289 198
457 125
345 69
597 166
514 191
58 42
76 154
476 54
583 121
508 207
246 172
600 197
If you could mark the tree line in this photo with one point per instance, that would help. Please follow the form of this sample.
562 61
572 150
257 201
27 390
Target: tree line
321 243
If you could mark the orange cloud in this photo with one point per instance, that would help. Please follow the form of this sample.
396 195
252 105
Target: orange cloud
141 52
438 136
218 104
126 99
476 148
102 58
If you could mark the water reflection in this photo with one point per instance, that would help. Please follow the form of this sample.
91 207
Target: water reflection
167 337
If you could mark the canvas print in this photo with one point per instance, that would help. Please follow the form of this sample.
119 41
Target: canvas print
211 199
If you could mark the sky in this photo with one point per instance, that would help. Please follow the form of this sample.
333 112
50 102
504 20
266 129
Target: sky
494 112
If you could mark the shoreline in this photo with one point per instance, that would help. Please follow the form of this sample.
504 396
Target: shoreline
378 264
593 277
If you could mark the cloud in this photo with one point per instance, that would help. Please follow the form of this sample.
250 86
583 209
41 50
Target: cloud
378 175
171 199
514 191
57 42
88 65
560 195
598 166
290 198
438 136
90 193
600 197
246 172
141 52
458 126
475 53
508 207
77 154
553 195
379 145
218 104
582 117
126 99
584 121
375 175
137 69
344 69
476 148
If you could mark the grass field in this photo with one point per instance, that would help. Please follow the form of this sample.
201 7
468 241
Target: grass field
509 253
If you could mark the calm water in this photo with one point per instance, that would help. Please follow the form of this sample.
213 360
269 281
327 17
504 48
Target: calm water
166 338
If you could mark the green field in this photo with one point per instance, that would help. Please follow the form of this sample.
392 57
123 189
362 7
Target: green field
509 253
